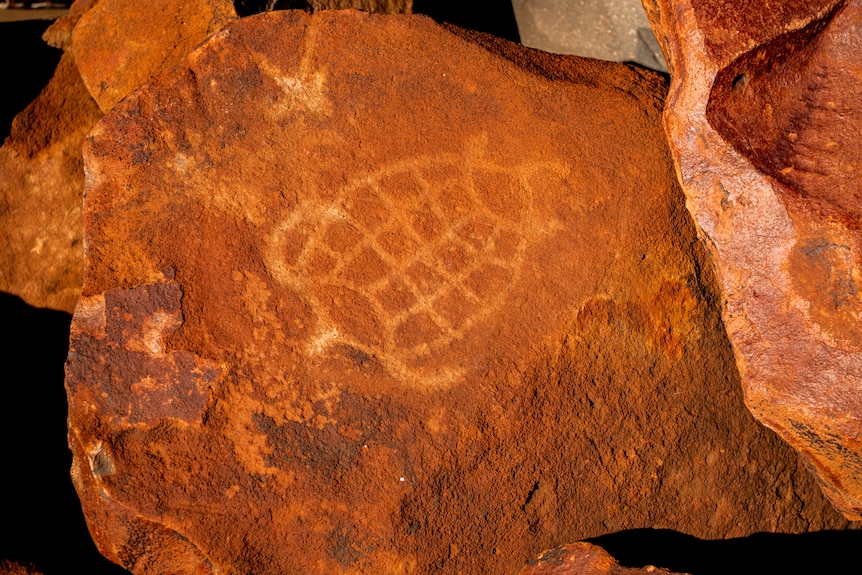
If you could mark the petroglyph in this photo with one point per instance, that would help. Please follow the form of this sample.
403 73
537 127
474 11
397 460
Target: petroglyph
408 259
305 89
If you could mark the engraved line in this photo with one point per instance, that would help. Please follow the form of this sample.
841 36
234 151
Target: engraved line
432 198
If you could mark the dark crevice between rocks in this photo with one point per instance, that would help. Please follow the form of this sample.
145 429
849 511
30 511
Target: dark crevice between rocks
41 516
27 65
249 7
496 17
802 554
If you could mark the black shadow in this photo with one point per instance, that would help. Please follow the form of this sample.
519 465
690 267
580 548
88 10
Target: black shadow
26 65
495 17
40 513
802 554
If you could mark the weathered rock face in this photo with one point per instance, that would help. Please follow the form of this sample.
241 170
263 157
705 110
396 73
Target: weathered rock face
405 310
59 33
41 173
582 559
41 182
119 44
763 118
41 170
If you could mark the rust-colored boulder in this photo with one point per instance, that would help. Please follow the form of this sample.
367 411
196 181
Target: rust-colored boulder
41 181
764 117
583 559
353 305
59 33
120 44
41 170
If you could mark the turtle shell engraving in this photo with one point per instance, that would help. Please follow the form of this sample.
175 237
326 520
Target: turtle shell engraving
405 261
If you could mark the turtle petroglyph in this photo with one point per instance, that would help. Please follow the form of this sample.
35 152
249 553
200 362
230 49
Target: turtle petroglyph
409 258
303 91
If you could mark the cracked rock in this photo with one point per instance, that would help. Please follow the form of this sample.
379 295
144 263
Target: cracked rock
763 119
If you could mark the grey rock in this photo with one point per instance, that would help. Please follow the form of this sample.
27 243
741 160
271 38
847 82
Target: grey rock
615 30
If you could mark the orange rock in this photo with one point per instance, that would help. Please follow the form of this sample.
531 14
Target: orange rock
583 559
120 44
59 33
41 175
41 182
763 119
406 310
147 38
41 170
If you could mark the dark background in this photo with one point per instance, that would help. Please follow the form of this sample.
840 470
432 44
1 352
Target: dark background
27 64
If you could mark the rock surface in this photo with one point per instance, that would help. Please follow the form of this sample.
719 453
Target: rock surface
41 182
59 33
583 559
763 118
41 169
405 310
616 30
119 44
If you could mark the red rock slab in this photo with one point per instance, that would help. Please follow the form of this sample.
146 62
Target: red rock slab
41 182
366 294
763 118
120 44
583 559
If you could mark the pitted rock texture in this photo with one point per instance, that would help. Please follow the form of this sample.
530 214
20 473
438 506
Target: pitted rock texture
583 559
41 182
763 118
404 310
120 44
